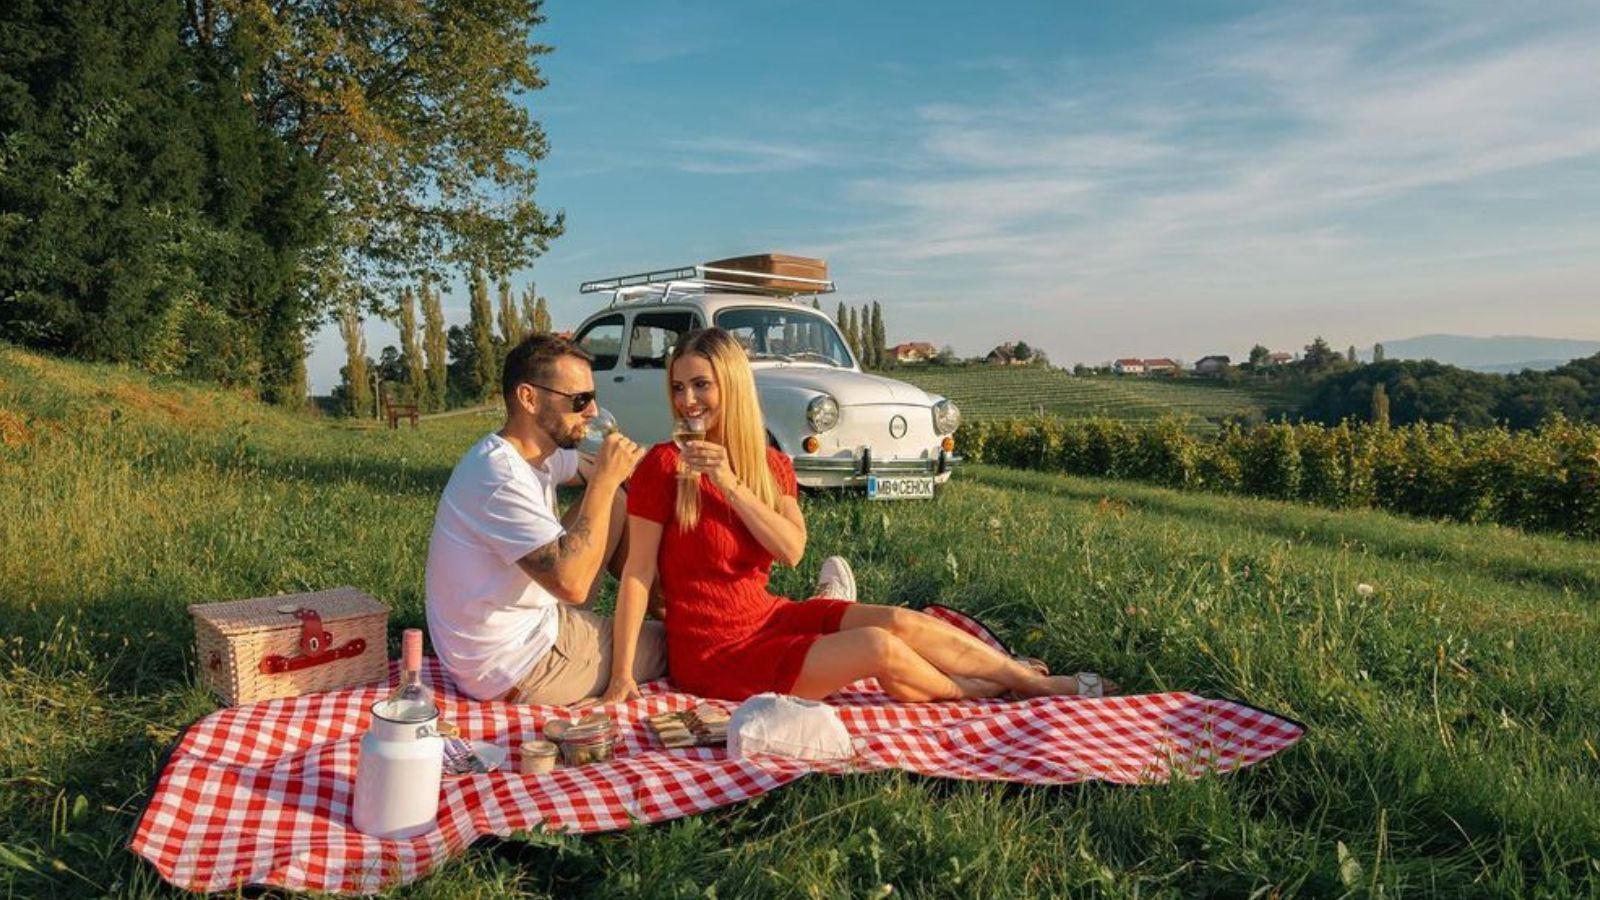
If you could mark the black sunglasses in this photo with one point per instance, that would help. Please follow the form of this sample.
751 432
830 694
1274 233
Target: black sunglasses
580 400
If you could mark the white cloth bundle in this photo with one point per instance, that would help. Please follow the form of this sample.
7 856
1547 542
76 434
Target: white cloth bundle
788 726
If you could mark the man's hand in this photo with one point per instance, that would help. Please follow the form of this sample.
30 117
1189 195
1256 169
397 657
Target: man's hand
617 459
621 689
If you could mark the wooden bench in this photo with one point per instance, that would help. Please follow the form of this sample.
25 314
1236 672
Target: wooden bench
398 411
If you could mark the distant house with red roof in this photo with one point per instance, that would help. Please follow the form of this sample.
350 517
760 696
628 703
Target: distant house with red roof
1135 366
913 351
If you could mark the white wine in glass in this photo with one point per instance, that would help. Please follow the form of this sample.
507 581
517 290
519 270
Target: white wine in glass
684 430
594 434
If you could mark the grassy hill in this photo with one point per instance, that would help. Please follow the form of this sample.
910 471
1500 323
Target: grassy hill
987 392
1452 710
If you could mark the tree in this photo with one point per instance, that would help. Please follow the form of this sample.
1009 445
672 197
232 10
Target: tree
1350 354
1380 406
357 393
511 329
147 217
435 345
480 323
410 353
1259 356
1022 352
541 316
414 110
463 385
1319 356
1377 353
815 302
852 335
880 349
537 313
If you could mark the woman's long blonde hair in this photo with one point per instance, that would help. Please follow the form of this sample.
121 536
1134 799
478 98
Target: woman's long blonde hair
744 434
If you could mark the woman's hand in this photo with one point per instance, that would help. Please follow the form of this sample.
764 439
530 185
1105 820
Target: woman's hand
622 689
711 459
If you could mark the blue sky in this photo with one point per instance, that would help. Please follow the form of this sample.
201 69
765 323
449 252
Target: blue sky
1141 179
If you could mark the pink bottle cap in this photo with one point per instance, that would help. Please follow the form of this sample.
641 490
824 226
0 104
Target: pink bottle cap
411 649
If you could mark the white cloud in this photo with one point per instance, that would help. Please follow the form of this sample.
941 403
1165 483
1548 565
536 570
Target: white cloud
741 156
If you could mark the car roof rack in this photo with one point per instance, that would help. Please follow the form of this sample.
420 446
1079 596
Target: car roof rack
663 284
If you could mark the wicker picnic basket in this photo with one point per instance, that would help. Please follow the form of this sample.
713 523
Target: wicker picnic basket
292 644
773 271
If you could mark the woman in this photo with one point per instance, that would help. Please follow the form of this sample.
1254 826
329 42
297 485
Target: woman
711 519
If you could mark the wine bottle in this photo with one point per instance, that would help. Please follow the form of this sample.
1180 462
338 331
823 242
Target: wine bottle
411 700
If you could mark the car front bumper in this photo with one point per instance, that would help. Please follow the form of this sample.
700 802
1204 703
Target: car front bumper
835 471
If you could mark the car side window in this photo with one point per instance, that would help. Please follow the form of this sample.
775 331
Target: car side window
603 340
653 336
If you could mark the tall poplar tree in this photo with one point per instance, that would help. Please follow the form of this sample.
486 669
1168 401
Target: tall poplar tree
879 343
1380 406
410 351
357 393
435 344
511 329
480 325
541 317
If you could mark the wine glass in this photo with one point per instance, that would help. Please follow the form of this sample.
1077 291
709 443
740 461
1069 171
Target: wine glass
684 430
595 432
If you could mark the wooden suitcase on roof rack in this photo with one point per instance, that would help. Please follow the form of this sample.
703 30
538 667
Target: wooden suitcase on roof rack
769 271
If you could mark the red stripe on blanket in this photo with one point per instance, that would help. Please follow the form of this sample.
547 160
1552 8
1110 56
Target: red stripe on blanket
261 794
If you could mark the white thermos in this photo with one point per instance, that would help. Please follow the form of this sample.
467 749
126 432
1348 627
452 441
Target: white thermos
402 755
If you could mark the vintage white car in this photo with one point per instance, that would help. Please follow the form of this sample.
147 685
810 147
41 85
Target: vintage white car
844 428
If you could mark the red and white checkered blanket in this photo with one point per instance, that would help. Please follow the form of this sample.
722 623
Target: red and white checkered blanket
261 794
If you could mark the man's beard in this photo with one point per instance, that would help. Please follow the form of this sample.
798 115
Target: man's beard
559 434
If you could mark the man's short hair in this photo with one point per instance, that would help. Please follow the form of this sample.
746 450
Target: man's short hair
533 360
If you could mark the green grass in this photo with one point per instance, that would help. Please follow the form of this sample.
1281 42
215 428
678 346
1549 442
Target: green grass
1452 748
989 392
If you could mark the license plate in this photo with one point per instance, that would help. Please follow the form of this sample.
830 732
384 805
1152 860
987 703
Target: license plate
908 487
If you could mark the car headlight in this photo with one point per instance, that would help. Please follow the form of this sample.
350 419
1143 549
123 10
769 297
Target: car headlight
822 413
946 417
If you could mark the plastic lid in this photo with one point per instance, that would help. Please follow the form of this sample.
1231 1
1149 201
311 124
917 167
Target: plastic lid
411 649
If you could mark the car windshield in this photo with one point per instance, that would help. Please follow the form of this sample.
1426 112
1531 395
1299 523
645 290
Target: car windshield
792 335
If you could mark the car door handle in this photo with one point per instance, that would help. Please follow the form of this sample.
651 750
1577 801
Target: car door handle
619 378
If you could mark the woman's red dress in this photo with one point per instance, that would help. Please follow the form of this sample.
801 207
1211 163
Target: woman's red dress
727 635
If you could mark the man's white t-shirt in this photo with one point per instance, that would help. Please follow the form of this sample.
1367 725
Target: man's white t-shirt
489 621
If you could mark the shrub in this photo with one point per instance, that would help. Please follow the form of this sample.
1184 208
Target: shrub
1547 479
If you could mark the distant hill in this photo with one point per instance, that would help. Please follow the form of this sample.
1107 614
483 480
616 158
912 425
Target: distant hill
1501 353
988 392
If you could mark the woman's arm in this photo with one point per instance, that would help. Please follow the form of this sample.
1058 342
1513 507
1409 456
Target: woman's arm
781 531
633 595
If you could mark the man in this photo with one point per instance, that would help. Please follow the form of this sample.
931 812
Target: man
507 577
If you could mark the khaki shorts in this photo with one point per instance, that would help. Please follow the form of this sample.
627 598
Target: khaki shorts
579 665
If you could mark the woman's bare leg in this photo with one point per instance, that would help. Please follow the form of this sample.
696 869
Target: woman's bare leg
957 653
838 659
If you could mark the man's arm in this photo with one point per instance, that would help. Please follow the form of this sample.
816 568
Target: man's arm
568 565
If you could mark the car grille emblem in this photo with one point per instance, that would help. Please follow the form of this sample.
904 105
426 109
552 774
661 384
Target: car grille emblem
897 427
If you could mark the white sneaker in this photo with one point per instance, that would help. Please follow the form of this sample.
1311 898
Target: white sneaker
835 580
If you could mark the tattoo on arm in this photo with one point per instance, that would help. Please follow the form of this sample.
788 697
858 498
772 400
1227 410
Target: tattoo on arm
575 541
